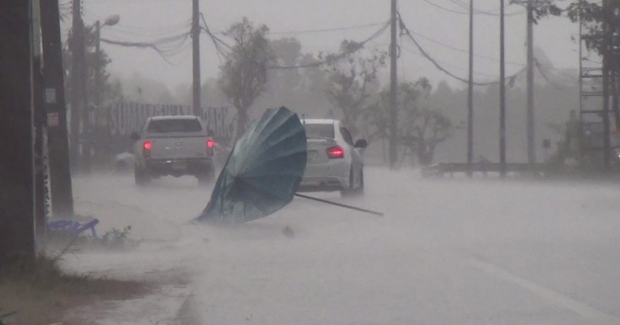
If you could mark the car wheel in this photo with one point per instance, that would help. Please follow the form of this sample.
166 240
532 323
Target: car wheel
350 191
360 190
141 176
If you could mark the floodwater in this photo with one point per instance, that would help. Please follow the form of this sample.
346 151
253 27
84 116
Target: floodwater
447 251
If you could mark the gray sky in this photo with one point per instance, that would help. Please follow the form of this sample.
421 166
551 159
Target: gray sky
146 20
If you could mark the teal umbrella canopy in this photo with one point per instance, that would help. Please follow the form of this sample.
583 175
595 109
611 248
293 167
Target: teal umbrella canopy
263 170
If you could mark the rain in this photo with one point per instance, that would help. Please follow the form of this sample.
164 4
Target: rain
309 162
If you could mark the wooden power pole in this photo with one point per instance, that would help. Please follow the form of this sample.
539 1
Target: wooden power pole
393 86
502 94
196 58
78 88
56 113
16 147
470 94
38 122
531 130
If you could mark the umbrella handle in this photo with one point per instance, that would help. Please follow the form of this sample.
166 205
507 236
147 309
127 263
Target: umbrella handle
339 204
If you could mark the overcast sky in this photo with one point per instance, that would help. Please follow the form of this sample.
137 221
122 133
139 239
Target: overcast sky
147 20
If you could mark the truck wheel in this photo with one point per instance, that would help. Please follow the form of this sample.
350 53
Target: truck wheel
142 178
207 177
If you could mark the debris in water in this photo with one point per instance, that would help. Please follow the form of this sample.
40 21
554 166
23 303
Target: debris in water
288 232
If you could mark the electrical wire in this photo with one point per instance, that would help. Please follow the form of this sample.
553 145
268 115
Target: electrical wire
546 77
329 58
476 11
326 30
410 50
156 45
464 51
444 70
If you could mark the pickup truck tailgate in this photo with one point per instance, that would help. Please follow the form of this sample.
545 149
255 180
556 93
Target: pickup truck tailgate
179 148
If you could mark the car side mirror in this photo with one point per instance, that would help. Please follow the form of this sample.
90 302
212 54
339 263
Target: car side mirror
135 136
361 143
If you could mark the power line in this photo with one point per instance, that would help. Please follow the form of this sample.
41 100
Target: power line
139 30
546 77
326 30
444 70
476 11
410 50
329 58
463 51
156 46
485 12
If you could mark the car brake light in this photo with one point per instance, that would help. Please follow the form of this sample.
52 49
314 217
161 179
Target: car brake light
210 144
335 152
146 148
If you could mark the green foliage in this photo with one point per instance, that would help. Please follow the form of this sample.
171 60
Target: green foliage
117 238
244 73
587 12
111 91
542 9
114 239
353 80
302 89
420 127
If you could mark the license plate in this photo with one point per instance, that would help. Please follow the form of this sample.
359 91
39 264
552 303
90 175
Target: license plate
313 155
179 165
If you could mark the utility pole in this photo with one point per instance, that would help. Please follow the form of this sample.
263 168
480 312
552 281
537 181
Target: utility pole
16 122
60 172
196 58
79 115
470 94
607 34
502 94
531 136
38 84
393 87
97 94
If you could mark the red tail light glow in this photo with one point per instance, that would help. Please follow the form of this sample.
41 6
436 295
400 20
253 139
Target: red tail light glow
210 144
147 145
335 152
146 148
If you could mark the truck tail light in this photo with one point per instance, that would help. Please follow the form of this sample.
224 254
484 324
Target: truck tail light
146 148
335 152
210 146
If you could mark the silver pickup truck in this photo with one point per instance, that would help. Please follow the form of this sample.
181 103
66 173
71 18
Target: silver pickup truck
175 146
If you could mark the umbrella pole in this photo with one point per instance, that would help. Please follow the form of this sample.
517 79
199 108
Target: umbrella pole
339 204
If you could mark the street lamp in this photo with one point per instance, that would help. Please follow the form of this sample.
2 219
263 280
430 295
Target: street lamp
110 21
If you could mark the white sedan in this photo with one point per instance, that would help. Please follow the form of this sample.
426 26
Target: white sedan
334 160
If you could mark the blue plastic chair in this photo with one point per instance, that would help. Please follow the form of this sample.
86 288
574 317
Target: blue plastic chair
74 227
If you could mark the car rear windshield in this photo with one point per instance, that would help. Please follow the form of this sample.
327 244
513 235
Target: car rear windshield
319 131
174 126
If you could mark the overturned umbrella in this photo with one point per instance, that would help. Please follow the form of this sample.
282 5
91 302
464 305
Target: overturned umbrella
263 171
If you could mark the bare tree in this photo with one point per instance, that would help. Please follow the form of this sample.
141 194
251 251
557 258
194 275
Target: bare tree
244 73
420 128
353 80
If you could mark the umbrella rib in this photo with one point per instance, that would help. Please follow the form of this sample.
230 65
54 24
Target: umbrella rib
282 122
277 158
263 138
